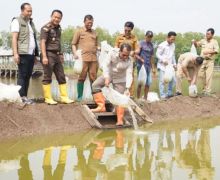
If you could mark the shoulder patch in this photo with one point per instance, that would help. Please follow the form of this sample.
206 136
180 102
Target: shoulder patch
45 29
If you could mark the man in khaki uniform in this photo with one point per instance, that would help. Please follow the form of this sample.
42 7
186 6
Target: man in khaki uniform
86 39
129 38
209 50
52 58
188 66
118 71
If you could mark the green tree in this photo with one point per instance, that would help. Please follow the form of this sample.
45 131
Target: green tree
103 34
67 36
5 39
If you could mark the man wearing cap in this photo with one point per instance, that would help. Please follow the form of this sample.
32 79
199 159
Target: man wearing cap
146 58
52 58
129 38
188 66
209 50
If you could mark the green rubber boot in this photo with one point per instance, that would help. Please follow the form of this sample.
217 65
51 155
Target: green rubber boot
80 86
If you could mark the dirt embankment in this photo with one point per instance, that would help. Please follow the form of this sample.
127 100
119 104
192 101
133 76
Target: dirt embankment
183 107
41 119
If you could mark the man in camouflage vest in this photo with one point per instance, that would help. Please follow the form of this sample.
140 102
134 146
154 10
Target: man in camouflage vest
24 47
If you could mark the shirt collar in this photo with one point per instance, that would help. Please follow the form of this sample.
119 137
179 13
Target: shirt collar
86 30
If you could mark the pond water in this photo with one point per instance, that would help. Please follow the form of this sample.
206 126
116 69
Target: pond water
162 152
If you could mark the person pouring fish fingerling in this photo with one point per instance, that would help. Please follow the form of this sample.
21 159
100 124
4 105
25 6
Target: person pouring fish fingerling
117 70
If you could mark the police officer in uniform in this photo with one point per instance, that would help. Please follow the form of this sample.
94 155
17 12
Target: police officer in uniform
52 58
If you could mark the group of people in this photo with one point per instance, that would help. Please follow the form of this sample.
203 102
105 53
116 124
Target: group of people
119 66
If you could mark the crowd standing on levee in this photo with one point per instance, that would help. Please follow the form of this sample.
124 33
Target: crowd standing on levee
119 66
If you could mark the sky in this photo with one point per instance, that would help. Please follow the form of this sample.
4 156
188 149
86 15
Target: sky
157 15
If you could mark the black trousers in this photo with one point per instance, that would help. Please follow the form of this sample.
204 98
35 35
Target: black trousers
25 69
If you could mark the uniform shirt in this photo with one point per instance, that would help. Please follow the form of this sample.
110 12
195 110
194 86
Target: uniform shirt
131 40
209 45
87 41
186 59
165 52
119 71
52 35
146 52
15 28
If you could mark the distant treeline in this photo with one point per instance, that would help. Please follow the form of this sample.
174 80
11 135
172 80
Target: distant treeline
183 40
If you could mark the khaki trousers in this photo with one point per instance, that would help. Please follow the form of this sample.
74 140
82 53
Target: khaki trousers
99 83
206 73
90 67
180 75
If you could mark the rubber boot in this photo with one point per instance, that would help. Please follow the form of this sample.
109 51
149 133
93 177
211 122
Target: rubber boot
63 94
47 95
120 115
80 86
100 101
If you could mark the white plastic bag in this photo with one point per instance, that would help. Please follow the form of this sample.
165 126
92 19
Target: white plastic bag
115 97
9 93
168 74
87 91
78 64
193 90
193 49
105 49
142 76
152 97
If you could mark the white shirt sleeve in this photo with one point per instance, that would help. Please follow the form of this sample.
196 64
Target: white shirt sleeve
173 57
129 77
15 26
106 66
159 53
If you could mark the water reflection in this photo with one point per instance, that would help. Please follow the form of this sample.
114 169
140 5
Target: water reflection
58 173
119 154
24 173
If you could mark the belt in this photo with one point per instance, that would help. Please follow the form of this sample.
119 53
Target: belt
55 52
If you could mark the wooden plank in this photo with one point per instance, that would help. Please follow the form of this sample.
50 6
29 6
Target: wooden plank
139 111
103 114
90 117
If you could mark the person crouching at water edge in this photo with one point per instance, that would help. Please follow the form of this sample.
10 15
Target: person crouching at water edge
52 58
188 65
118 71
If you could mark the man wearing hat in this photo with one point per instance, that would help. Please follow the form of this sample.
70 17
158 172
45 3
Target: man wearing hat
146 58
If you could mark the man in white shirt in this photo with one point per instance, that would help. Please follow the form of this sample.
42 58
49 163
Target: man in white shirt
166 56
24 48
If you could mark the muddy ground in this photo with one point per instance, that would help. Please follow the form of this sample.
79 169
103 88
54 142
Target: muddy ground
41 119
